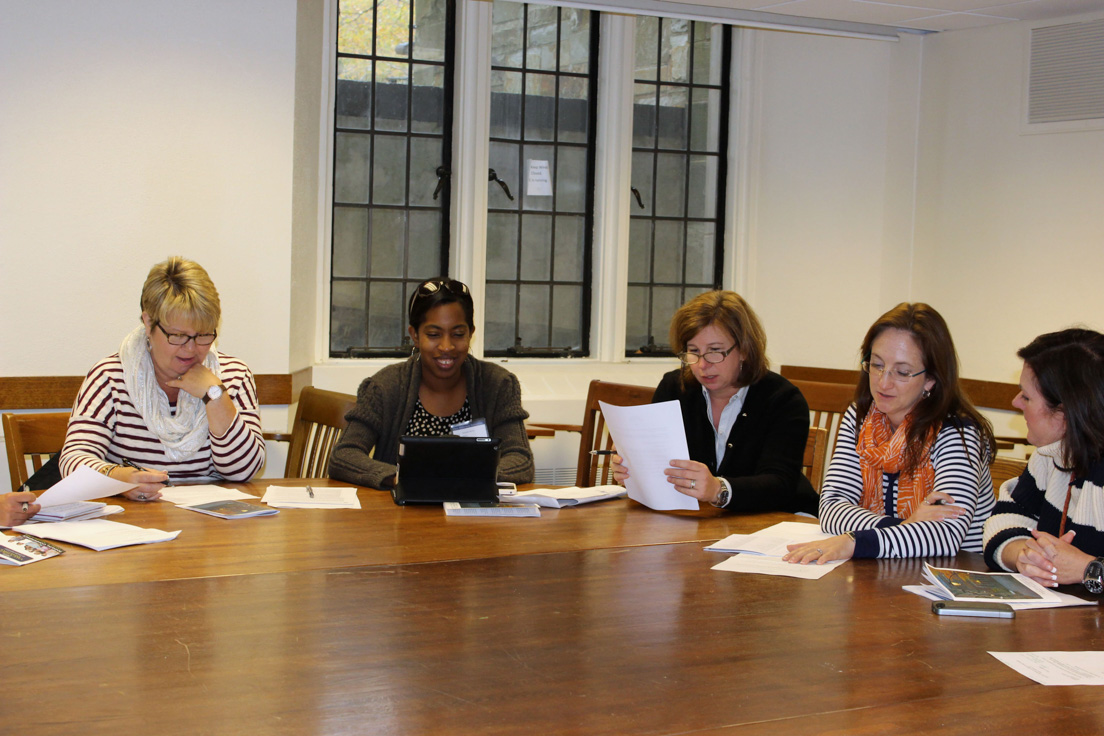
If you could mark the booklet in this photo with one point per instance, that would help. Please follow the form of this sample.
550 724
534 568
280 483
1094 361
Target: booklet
97 534
25 549
75 511
557 498
231 509
487 508
968 585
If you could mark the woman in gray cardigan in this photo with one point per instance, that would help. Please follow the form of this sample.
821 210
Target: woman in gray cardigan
439 386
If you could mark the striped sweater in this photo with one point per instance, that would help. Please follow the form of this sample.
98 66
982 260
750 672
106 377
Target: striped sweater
1035 501
105 428
960 471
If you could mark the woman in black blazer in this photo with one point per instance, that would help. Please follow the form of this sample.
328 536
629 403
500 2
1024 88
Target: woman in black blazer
746 427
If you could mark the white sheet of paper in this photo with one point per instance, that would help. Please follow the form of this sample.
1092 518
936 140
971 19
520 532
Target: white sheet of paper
539 181
98 534
935 593
1057 668
296 497
192 495
84 484
649 437
771 541
775 566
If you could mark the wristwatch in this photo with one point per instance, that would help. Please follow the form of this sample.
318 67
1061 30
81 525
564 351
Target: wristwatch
723 497
1093 579
214 393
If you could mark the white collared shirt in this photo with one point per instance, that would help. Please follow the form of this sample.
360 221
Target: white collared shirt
729 415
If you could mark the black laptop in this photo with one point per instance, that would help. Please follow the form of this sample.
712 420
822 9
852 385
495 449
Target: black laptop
439 469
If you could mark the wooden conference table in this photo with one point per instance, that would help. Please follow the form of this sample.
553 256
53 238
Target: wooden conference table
603 619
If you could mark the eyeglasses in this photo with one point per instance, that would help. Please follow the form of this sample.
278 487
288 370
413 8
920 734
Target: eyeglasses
711 356
178 339
431 287
894 374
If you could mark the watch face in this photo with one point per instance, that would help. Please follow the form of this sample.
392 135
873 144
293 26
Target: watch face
1094 577
214 392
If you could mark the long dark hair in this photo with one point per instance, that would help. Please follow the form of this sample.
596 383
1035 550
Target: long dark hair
946 400
1069 368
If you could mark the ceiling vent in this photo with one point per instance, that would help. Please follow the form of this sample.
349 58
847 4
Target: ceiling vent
1066 77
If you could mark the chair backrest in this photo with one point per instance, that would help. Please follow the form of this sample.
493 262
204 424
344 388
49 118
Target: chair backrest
32 438
594 469
319 422
816 454
1005 468
827 404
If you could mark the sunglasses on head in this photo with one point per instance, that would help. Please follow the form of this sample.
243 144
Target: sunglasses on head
434 286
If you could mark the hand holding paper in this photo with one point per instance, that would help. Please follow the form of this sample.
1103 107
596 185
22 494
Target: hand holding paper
648 437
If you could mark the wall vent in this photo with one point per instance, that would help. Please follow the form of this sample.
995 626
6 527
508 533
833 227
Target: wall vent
1066 76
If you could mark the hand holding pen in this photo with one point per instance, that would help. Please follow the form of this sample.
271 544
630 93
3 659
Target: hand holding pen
17 507
149 481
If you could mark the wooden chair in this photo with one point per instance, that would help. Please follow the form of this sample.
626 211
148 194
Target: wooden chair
319 422
1005 468
32 438
827 404
595 469
816 455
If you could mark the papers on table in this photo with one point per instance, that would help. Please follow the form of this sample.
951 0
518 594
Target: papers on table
648 437
194 495
297 497
75 511
936 593
762 551
24 550
82 485
1057 668
557 498
97 534
969 585
486 508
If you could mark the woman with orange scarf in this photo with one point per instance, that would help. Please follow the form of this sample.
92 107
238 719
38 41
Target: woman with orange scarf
910 473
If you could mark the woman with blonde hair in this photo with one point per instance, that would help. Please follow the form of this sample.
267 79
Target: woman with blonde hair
746 427
167 407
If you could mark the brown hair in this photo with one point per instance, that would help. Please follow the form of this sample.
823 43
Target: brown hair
729 312
1068 367
946 400
179 287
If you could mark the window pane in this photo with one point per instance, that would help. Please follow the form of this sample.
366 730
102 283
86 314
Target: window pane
540 42
574 41
424 249
707 53
504 160
573 110
386 315
502 246
702 201
567 305
536 248
673 108
508 34
354 27
647 47
570 245
393 28
642 175
354 93
348 315
430 17
501 316
701 248
389 169
351 156
540 106
636 327
532 200
671 170
571 180
706 128
644 115
665 301
667 263
425 157
533 312
505 104
428 110
675 50
388 243
640 250
350 242
391 91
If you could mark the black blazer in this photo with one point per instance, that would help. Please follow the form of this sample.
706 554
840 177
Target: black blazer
762 462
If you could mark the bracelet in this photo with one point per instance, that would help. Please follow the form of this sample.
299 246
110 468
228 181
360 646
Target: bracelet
108 469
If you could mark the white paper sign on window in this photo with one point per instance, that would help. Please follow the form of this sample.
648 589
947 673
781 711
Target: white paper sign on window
539 180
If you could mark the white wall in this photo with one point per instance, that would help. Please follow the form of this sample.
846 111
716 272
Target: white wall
1009 236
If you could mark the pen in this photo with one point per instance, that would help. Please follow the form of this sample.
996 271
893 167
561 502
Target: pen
310 491
24 489
602 452
130 464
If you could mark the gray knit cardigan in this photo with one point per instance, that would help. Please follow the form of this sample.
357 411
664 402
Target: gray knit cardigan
385 402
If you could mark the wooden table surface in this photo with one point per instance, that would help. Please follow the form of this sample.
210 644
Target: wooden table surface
599 620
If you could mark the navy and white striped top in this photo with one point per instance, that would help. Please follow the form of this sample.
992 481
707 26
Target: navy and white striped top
105 428
1035 501
961 470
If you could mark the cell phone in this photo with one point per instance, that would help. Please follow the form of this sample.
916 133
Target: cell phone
973 608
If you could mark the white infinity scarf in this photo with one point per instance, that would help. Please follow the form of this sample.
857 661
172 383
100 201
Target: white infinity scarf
182 434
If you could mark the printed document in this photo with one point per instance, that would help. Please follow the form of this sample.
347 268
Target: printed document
193 495
298 497
1057 668
648 437
82 485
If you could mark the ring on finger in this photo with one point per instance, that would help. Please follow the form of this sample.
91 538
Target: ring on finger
819 551
692 484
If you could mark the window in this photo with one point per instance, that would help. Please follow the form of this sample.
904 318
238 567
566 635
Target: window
539 223
680 125
392 153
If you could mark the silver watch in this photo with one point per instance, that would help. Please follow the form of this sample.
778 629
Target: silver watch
214 393
723 497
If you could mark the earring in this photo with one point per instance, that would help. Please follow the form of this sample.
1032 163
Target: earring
926 393
148 346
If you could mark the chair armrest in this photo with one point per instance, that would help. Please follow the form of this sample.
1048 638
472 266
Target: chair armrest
276 436
558 427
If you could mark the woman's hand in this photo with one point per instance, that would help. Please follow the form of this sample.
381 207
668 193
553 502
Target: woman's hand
16 508
936 506
620 470
839 547
693 479
1051 561
196 380
149 482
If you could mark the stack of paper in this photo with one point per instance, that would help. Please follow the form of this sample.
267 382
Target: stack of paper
97 534
195 495
83 484
557 498
762 551
75 511
1018 591
309 497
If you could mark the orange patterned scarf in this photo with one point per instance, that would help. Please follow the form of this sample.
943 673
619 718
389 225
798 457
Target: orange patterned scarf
881 450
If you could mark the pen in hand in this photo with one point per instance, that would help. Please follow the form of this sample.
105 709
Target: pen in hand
24 489
130 464
603 452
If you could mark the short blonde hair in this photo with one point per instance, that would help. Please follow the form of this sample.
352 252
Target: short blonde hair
731 313
181 288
